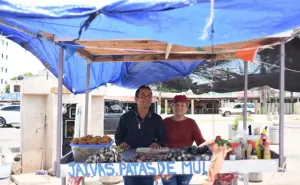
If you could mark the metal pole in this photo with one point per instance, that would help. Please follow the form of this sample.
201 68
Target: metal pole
245 94
87 95
292 103
59 111
281 114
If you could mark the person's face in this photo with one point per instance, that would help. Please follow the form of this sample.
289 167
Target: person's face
144 98
180 108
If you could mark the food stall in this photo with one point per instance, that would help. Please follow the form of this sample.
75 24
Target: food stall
181 48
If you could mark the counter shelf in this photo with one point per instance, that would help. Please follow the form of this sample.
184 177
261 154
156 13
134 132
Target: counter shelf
70 168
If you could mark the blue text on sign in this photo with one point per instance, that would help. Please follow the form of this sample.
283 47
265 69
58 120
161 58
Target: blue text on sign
137 169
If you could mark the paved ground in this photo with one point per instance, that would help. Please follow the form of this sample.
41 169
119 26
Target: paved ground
11 138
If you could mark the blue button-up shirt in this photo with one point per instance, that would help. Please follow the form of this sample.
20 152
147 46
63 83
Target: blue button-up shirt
140 133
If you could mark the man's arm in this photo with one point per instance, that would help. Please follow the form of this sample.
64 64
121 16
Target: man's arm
120 132
161 132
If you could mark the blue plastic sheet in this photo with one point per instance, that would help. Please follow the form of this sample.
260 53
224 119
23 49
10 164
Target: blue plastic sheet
180 22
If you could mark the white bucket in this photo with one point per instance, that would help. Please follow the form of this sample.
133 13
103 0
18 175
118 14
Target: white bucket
5 170
274 135
110 179
255 177
5 181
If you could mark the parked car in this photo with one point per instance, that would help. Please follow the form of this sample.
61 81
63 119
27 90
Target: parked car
10 116
237 109
114 109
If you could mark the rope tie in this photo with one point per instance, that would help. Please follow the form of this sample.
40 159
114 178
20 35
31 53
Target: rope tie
209 21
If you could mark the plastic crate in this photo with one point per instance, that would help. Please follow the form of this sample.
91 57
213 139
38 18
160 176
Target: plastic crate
82 151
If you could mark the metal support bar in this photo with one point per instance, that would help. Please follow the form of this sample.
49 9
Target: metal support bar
87 95
59 111
281 113
292 103
245 94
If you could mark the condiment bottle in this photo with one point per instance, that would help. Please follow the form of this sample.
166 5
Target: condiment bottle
249 148
264 139
253 154
232 155
250 130
267 152
238 151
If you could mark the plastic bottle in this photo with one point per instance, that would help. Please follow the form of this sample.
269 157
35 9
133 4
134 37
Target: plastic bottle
232 155
238 151
249 148
267 152
253 154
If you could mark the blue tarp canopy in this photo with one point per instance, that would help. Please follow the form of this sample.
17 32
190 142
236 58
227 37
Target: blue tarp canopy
181 22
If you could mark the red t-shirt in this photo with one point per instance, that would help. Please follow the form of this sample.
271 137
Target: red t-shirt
182 133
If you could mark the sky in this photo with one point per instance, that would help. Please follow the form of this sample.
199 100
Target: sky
22 61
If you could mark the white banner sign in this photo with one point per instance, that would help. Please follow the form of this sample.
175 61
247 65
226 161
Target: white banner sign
135 169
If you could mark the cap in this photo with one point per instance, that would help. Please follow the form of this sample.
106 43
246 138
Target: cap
180 98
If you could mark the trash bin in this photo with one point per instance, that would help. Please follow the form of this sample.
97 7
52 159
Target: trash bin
255 177
274 135
5 170
109 180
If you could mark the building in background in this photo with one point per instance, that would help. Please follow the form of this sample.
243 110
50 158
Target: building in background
15 86
4 62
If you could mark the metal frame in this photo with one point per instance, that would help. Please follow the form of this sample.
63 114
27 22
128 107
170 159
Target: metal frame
59 106
245 94
87 96
281 114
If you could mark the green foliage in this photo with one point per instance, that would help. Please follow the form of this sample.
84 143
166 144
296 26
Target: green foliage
236 122
7 88
24 75
163 110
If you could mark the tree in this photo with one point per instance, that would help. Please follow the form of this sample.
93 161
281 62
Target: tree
7 88
28 74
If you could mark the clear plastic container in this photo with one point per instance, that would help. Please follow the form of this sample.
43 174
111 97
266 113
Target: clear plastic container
82 151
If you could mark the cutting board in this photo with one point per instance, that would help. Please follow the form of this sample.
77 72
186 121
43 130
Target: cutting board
152 151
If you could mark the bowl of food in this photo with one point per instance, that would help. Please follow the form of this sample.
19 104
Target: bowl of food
86 146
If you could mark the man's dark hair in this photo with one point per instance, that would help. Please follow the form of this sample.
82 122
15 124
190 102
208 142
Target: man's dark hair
139 89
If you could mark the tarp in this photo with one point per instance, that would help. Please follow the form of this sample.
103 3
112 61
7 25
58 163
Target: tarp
228 76
183 22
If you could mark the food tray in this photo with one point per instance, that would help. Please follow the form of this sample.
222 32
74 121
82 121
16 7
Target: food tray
82 151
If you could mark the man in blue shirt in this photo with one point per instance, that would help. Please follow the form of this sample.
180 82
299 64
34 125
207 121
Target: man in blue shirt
141 128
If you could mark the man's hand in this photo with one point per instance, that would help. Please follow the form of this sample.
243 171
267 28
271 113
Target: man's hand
155 146
124 145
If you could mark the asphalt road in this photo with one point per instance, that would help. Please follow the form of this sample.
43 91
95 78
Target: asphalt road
10 137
